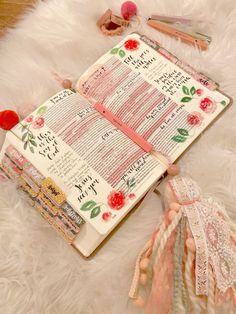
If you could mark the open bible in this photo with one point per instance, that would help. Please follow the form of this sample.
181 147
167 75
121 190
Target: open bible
87 156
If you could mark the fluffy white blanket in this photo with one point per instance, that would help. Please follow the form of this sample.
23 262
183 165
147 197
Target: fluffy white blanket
39 273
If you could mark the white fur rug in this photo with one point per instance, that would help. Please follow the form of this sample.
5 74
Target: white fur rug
39 273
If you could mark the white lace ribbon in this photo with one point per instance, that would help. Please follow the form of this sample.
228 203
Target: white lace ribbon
211 234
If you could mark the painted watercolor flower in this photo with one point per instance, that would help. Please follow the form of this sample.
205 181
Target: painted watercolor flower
29 119
106 216
131 196
38 123
199 91
195 118
131 44
116 200
208 105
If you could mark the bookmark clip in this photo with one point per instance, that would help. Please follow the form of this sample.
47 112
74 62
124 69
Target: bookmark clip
186 34
135 137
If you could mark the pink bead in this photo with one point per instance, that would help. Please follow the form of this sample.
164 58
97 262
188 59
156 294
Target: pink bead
128 9
171 215
66 83
175 206
144 263
190 243
139 301
173 170
143 279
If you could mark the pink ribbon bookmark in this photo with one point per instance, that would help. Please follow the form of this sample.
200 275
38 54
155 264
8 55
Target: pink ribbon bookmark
135 137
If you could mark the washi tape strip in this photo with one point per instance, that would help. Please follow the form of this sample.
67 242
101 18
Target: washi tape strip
66 232
24 185
10 168
43 213
33 173
48 202
3 174
73 215
16 156
53 192
30 182
45 207
29 199
63 231
68 223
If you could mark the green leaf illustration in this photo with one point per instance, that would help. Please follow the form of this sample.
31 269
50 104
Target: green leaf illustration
23 128
179 138
192 90
114 51
88 205
223 102
24 136
33 143
25 145
95 212
31 149
131 182
121 53
185 90
186 99
183 132
41 110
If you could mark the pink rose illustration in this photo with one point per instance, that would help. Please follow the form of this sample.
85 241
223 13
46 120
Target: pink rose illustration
131 44
106 216
199 91
38 123
208 105
131 196
195 118
116 200
29 119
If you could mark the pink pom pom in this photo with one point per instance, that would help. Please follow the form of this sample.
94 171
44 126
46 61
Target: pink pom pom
128 9
139 301
143 279
144 263
173 170
66 83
